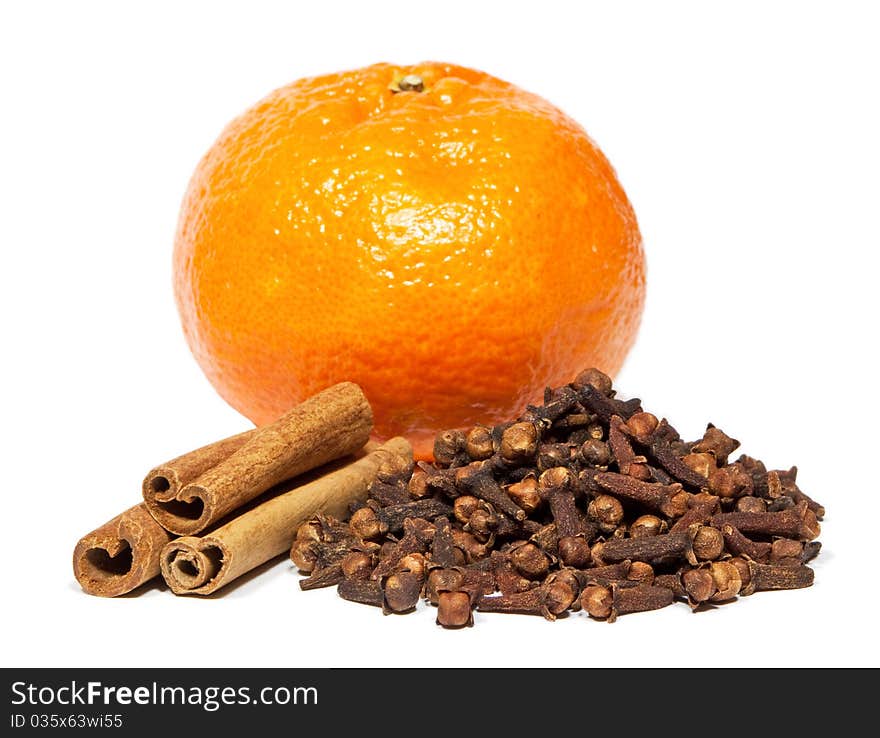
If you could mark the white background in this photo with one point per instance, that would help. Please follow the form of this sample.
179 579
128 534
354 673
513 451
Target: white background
746 136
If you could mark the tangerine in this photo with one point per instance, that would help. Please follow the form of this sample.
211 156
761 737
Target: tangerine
450 242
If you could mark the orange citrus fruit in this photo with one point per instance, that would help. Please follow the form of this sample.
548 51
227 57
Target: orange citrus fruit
447 240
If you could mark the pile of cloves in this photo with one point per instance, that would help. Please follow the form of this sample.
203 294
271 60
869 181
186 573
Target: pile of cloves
585 502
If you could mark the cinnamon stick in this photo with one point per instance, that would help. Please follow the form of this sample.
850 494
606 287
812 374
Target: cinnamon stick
332 424
120 555
202 565
166 480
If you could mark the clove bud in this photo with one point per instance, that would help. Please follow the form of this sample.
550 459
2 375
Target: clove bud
454 609
587 501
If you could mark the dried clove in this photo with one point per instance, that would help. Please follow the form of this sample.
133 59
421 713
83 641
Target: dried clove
402 590
417 487
717 443
552 455
640 572
596 379
739 545
530 561
366 592
727 581
356 565
546 538
596 601
708 543
483 523
650 548
663 453
568 577
449 447
745 573
530 602
701 507
559 403
454 609
699 585
416 563
594 452
638 599
720 581
366 524
476 479
798 522
558 485
783 549
329 576
619 444
765 577
642 426
519 443
411 543
472 548
586 501
525 494
730 482
574 551
478 443
758 472
440 481
604 575
550 600
647 525
442 549
394 515
464 507
672 582
389 494
605 406
669 500
751 504
440 580
606 511
606 603
702 463
507 578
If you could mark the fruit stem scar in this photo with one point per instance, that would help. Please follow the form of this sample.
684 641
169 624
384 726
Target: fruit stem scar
409 83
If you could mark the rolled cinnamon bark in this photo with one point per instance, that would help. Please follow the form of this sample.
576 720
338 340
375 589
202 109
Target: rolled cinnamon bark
166 480
120 555
201 565
332 424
